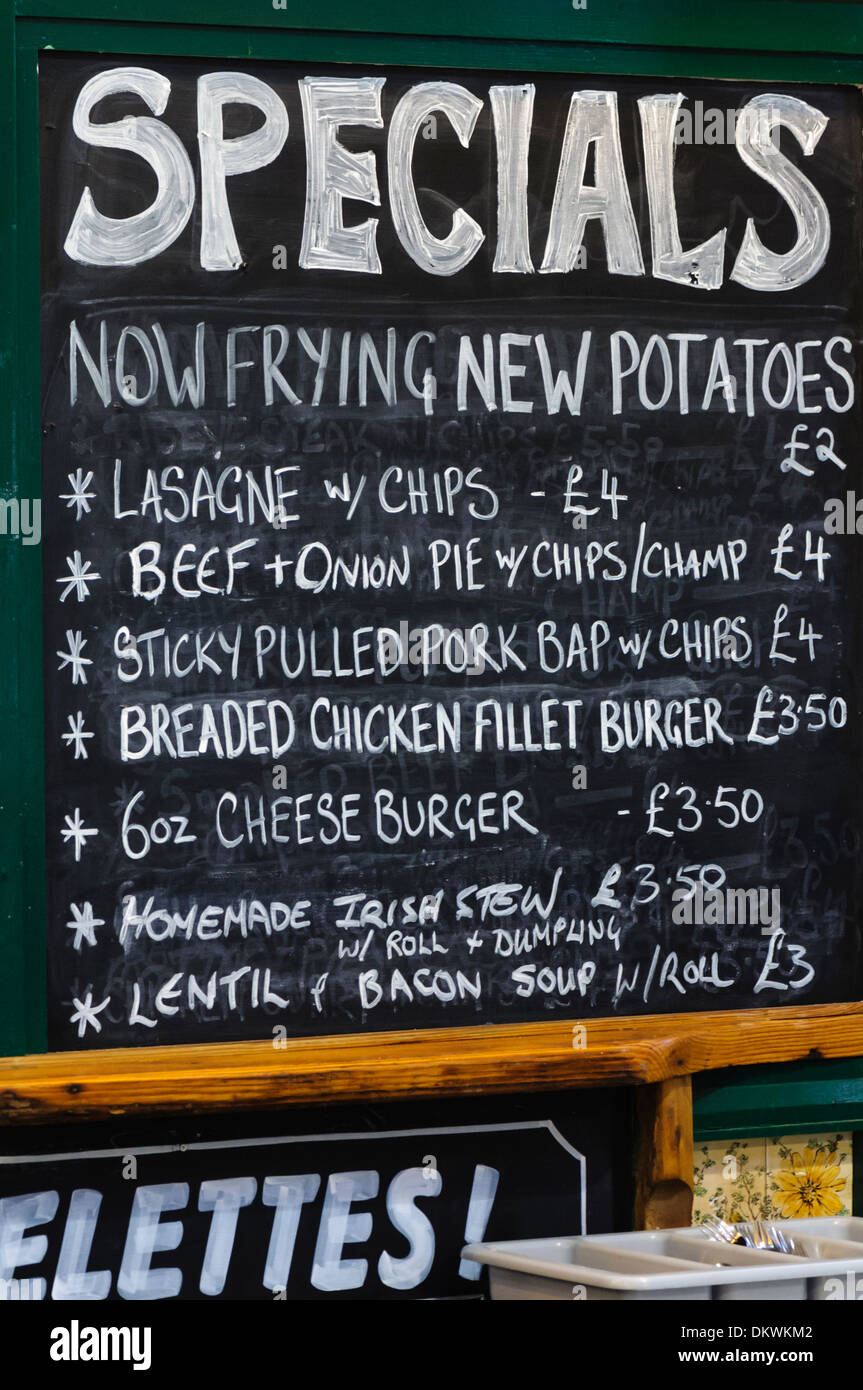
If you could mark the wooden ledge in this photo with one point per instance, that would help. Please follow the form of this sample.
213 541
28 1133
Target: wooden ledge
491 1059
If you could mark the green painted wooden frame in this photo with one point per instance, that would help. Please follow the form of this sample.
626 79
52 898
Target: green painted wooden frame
672 37
818 1096
800 1098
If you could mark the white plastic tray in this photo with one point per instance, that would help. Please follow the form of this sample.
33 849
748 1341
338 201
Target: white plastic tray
679 1264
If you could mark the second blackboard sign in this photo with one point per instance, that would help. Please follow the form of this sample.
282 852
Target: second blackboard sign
329 1204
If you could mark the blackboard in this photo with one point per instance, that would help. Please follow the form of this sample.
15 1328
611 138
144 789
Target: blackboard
444 615
345 1203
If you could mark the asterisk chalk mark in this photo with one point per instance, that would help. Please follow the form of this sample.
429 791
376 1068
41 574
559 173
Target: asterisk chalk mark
79 497
79 578
73 657
84 924
77 735
77 832
86 1011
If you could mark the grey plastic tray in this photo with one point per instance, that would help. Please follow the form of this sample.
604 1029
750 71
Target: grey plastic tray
680 1264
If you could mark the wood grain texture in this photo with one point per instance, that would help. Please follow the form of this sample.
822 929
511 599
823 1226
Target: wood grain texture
486 1060
664 1171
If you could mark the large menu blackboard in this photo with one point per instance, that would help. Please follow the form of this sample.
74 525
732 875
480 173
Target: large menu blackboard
450 570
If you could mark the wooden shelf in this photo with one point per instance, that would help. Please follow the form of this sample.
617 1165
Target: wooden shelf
491 1059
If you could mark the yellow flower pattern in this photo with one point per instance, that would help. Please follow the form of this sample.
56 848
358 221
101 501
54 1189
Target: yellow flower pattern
775 1179
807 1185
